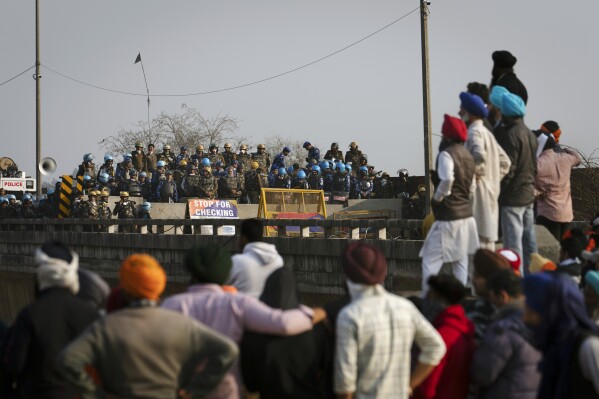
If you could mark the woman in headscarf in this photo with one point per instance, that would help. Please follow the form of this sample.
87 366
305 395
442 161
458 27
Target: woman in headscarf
567 338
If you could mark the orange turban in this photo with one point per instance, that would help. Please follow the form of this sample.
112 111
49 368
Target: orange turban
142 276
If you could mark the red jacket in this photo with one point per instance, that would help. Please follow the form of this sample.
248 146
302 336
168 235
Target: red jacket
450 378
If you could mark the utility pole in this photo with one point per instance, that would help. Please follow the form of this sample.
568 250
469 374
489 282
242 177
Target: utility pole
38 122
426 107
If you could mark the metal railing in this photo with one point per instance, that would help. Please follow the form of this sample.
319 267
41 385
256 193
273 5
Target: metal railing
389 229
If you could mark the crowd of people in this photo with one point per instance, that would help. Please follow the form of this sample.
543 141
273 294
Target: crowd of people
240 330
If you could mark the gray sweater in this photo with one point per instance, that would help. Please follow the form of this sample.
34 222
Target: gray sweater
147 352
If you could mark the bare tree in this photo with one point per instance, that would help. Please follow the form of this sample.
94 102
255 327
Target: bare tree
186 128
584 184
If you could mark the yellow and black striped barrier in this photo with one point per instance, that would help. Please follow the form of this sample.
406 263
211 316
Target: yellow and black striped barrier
66 190
80 184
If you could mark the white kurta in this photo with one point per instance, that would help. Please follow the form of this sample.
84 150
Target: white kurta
492 164
454 240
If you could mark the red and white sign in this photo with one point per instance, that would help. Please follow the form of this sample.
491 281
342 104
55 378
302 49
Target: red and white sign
15 184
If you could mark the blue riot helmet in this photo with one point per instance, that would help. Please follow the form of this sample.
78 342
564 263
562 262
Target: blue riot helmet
88 157
161 164
286 149
363 169
143 174
3 199
86 177
205 162
103 177
324 165
341 167
290 170
301 174
27 197
49 192
316 168
282 172
348 167
11 197
127 157
146 206
107 158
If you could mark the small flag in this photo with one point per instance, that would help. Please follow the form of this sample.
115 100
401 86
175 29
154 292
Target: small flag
138 59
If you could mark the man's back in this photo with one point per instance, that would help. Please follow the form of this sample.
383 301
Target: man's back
41 331
375 333
520 144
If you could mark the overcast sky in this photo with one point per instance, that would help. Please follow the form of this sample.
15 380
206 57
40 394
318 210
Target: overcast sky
370 93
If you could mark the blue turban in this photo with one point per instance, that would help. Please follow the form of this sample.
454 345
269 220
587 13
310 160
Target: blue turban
592 279
512 105
536 291
474 105
497 93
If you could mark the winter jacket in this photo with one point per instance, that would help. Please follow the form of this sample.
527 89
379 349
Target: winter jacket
40 332
252 267
520 144
505 364
451 377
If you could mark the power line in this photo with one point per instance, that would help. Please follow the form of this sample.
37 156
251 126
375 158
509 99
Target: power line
16 76
241 85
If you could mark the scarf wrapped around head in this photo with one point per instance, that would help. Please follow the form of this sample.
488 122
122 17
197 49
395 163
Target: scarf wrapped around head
142 277
57 267
560 304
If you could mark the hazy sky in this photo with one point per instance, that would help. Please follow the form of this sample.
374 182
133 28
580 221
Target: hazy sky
370 93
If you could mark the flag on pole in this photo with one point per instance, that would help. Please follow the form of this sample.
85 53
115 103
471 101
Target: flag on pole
138 59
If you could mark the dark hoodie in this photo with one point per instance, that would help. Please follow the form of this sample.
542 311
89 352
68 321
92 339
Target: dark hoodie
450 378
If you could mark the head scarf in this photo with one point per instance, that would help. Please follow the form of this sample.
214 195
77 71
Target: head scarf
364 264
592 279
142 277
512 105
209 264
454 129
57 267
497 93
474 105
560 304
487 262
539 263
280 290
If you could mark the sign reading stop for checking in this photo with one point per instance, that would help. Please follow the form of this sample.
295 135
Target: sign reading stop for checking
213 209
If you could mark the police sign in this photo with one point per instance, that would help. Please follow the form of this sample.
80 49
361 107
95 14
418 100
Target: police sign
213 209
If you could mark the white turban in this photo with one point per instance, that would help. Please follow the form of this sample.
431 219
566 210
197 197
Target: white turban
55 272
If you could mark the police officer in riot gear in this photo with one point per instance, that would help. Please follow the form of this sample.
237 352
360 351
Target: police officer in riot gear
190 184
313 153
146 187
244 158
123 169
151 159
279 161
199 154
229 186
315 181
365 183
27 209
282 180
214 156
138 158
208 187
253 183
228 156
158 174
125 209
167 156
167 189
107 166
87 167
262 157
334 153
183 156
300 182
341 181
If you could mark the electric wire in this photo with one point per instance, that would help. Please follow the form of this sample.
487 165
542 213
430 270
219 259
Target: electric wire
241 85
16 76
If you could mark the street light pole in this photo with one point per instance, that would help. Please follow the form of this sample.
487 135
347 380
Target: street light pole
426 108
38 122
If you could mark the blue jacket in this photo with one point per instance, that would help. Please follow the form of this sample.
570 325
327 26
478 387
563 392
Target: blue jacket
313 153
174 197
505 364
278 162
